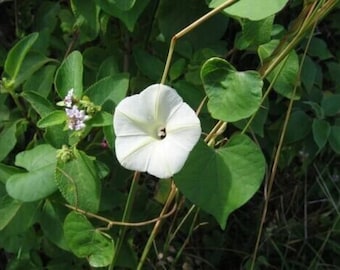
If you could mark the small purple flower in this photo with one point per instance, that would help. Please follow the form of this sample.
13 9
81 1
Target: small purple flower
76 118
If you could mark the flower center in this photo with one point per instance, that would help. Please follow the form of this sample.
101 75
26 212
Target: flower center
161 133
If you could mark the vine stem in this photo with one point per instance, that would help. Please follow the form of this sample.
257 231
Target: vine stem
126 216
188 29
268 189
156 227
111 223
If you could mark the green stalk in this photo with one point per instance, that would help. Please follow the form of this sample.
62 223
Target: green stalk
156 228
187 239
125 218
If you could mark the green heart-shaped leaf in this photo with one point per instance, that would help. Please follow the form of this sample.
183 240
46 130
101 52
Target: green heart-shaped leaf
220 181
232 95
38 182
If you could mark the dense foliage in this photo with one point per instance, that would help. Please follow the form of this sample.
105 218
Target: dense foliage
260 190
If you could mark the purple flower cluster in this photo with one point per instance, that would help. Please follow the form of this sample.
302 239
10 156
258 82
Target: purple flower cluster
76 117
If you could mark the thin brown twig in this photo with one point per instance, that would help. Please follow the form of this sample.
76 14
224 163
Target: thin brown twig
120 223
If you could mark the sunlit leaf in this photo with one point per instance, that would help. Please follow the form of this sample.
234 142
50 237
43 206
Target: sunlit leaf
233 95
38 182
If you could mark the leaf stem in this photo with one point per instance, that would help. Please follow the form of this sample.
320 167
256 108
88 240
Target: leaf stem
126 217
156 227
188 29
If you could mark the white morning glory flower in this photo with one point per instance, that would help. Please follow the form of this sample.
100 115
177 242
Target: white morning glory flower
155 131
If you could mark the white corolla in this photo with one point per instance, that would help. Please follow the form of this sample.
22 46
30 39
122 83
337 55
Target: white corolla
155 131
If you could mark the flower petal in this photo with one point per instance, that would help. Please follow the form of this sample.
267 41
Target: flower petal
133 151
161 158
184 127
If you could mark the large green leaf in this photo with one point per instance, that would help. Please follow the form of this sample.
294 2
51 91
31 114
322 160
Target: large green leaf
87 242
232 95
285 73
17 55
220 181
252 9
78 182
38 182
70 75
